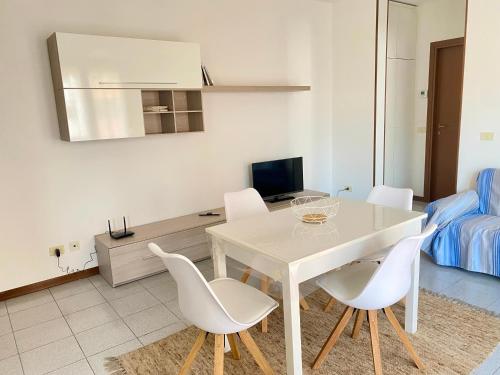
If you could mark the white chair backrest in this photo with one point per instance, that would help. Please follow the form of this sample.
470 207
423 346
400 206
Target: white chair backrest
392 279
244 203
197 301
391 197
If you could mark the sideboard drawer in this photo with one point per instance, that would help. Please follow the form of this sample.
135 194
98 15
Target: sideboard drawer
132 262
197 252
135 261
181 240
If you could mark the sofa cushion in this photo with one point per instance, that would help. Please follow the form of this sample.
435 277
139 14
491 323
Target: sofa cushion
488 189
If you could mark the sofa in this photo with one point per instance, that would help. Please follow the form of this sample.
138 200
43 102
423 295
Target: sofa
468 234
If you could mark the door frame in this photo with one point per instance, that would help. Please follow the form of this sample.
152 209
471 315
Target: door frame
434 49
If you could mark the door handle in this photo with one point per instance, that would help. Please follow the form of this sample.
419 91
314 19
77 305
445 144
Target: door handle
441 126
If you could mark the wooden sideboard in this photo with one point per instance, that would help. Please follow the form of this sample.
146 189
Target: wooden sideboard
128 259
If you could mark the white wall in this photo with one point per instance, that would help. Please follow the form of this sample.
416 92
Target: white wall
354 27
481 98
54 192
437 20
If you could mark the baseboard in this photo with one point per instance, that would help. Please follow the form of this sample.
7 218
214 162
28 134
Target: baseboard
419 199
27 289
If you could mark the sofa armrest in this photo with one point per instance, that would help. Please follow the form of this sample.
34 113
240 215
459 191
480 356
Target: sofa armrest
445 210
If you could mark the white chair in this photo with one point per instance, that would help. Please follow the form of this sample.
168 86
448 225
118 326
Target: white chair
368 287
223 307
383 196
242 204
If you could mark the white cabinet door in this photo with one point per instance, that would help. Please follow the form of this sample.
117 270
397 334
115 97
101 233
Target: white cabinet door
103 114
401 31
89 61
407 32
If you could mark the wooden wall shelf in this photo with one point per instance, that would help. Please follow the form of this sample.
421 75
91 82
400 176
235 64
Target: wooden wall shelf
254 88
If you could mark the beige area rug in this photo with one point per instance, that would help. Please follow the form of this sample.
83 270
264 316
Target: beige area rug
453 338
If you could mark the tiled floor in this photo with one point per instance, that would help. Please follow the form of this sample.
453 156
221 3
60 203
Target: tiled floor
72 328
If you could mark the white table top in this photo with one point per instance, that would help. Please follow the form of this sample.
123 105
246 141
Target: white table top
281 236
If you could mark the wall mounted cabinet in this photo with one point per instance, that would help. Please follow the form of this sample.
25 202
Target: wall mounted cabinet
102 85
90 61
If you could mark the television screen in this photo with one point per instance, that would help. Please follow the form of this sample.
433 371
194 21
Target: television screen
278 177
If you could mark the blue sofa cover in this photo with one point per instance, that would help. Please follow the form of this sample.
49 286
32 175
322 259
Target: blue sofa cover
468 234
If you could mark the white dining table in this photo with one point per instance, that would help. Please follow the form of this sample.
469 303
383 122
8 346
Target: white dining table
282 247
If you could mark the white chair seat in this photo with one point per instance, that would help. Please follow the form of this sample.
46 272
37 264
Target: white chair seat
243 303
347 283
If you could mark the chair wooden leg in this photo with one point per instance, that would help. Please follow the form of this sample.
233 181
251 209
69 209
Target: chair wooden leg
329 305
234 346
264 287
192 354
254 350
334 336
377 359
360 317
404 338
303 303
219 355
246 275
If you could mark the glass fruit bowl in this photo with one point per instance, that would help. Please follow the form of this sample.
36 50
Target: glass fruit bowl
315 209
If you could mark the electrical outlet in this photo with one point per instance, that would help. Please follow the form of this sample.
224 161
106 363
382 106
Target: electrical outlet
348 188
486 136
52 250
74 246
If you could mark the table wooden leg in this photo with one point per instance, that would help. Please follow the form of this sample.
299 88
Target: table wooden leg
291 310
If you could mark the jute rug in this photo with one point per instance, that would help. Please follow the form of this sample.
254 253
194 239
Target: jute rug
453 338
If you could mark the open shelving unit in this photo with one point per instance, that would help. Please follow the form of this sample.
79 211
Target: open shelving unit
184 114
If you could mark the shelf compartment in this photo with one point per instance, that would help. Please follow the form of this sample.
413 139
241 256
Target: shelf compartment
163 123
189 122
155 98
187 101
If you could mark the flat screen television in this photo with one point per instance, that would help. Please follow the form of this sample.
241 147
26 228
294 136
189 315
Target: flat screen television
276 179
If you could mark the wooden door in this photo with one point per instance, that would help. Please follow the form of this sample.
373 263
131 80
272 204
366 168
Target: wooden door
443 117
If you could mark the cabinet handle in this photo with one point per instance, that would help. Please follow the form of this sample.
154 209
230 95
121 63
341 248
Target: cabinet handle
137 83
149 257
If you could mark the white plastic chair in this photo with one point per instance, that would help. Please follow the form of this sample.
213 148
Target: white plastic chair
388 196
223 307
391 197
242 204
368 287
383 196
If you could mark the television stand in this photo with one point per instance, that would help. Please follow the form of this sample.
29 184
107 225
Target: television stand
280 198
